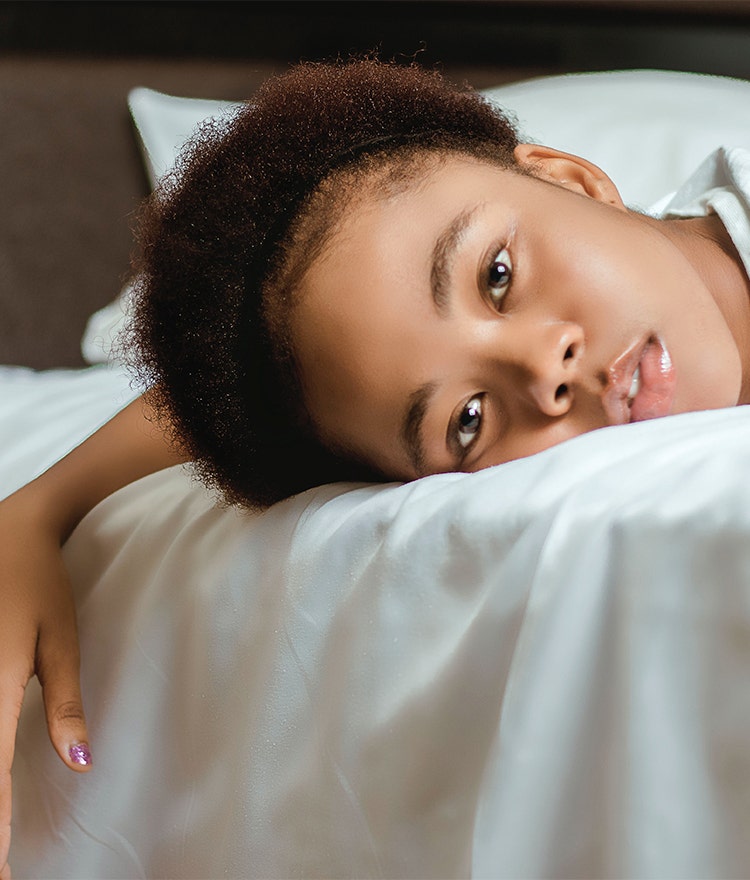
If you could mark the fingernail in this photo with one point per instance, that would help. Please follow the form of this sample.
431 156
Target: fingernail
80 754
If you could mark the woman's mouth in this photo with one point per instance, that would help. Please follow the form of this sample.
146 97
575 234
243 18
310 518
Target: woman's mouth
641 383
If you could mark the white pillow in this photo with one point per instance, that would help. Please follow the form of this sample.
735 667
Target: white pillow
164 123
648 129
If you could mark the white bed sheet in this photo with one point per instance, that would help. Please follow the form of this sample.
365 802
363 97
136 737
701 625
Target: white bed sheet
540 670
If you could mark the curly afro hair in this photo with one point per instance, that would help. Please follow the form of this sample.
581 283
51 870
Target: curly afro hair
221 226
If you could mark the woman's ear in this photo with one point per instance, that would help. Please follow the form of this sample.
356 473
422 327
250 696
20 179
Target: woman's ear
572 172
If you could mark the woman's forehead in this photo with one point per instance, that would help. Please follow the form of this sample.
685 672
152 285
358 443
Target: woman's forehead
436 185
396 184
364 302
383 178
378 265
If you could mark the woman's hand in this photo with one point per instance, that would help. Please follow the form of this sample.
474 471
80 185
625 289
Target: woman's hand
37 637
37 616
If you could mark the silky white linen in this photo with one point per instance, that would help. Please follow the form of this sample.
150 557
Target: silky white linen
540 670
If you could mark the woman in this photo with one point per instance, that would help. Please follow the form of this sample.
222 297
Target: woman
366 276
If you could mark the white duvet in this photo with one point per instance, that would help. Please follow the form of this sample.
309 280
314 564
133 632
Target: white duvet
540 670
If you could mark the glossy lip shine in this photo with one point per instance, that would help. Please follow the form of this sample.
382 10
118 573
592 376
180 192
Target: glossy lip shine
646 369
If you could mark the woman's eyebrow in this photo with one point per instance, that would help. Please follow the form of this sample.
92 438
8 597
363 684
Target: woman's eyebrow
443 254
411 426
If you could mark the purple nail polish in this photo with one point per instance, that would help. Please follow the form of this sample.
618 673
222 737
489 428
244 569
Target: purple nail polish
80 754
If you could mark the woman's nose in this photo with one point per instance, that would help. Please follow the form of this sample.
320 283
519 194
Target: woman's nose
547 360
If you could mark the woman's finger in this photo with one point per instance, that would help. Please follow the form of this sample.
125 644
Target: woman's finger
58 670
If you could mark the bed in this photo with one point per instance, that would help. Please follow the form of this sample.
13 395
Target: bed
539 670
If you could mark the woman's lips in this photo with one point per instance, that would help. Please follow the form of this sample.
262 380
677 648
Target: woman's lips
641 383
657 384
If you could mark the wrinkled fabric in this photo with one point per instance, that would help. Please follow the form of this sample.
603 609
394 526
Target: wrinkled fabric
539 670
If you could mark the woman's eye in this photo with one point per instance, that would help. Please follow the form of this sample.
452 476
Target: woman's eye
499 276
469 422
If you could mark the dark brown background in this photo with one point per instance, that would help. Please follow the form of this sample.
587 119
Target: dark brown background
70 172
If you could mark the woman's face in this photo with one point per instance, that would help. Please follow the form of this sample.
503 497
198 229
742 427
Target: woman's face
483 315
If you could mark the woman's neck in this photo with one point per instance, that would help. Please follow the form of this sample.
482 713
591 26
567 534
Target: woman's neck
708 246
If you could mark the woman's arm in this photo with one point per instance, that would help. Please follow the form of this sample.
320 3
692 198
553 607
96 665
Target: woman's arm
128 447
37 616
